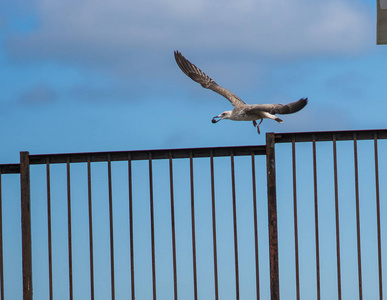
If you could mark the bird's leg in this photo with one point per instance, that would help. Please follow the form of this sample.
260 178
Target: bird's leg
259 132
254 123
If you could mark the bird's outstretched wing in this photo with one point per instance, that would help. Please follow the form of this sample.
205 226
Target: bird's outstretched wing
281 108
199 76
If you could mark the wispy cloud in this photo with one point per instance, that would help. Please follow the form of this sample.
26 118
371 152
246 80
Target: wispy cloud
129 45
117 31
38 94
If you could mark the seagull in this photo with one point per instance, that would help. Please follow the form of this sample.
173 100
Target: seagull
241 111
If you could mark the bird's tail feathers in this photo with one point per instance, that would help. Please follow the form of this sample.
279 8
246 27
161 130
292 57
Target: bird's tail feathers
292 107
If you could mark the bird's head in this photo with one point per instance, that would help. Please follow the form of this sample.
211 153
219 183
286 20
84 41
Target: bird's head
222 116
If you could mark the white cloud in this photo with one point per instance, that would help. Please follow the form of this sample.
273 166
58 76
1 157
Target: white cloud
115 30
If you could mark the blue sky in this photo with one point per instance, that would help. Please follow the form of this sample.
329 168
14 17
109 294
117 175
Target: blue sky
94 75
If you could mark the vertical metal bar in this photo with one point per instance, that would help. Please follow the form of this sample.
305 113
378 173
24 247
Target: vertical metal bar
69 230
49 228
26 224
152 225
378 216
357 215
295 218
316 219
272 215
112 282
131 225
1 244
255 224
193 227
337 217
214 226
90 228
173 225
234 210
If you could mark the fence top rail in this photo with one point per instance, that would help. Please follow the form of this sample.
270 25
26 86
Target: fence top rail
321 136
9 168
146 154
318 136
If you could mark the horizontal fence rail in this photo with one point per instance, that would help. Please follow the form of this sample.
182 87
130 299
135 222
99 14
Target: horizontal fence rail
325 136
144 154
10 169
297 218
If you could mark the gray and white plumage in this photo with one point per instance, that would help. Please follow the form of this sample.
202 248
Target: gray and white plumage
242 111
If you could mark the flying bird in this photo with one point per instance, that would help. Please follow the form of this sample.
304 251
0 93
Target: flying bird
241 111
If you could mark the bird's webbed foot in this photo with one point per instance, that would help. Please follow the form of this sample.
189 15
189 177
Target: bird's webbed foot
254 123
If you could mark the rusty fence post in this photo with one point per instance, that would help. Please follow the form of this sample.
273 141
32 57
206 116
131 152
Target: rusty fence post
26 225
272 211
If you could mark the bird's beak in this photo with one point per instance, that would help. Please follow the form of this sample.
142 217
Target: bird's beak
214 119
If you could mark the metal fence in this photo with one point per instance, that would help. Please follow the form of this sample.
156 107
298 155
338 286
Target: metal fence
344 175
299 217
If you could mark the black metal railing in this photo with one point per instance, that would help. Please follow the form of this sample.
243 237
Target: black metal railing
352 174
176 180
